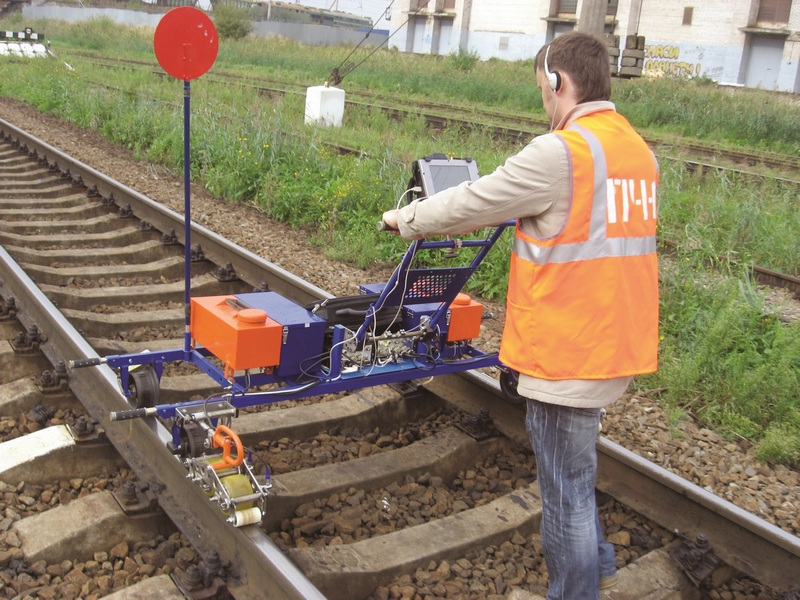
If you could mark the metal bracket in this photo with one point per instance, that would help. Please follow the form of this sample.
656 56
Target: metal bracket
55 381
8 311
136 498
697 559
407 389
41 414
226 274
480 427
28 342
197 254
204 581
85 431
168 238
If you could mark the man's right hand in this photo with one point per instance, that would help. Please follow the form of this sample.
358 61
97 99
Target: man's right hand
389 220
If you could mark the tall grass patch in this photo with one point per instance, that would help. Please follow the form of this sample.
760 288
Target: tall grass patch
725 358
742 218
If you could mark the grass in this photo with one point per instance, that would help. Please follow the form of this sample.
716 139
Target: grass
720 341
724 359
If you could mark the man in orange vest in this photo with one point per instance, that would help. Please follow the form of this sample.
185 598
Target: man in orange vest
582 302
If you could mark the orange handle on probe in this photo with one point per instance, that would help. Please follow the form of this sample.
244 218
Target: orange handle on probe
223 438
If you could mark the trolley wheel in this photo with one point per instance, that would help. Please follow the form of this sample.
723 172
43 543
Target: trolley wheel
508 385
193 438
143 387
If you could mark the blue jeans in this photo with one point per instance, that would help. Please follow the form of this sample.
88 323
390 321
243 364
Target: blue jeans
575 549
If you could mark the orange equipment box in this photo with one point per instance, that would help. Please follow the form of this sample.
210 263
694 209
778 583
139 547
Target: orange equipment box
465 319
241 337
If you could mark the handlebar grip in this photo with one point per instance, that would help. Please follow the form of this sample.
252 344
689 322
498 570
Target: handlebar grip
383 226
85 362
133 413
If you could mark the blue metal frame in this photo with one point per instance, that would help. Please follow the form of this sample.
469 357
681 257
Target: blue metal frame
406 287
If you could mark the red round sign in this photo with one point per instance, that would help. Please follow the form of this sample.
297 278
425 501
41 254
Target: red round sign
186 42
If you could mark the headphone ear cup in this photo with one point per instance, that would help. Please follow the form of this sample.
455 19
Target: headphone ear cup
553 77
554 80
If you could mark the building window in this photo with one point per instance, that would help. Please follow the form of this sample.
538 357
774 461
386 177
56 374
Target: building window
688 12
568 7
774 11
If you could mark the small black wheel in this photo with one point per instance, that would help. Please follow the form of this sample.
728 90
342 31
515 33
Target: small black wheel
193 438
508 385
143 387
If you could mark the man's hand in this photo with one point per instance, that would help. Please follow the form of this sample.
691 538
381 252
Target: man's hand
390 220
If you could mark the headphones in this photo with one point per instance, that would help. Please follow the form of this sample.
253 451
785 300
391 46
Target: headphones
553 77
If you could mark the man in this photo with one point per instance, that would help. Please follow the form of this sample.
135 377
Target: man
582 302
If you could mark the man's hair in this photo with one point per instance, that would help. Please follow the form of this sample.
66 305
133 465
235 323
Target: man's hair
585 58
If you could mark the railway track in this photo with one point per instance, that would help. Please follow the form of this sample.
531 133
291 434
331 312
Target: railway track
514 127
374 492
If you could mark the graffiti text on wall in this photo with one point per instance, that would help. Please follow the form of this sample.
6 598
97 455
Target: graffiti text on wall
666 59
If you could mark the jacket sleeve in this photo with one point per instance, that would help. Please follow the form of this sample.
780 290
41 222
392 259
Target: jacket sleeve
529 184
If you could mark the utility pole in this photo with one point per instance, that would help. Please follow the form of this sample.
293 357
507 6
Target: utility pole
592 19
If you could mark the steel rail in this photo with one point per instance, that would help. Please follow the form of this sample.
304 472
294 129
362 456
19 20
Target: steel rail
752 545
253 561
248 266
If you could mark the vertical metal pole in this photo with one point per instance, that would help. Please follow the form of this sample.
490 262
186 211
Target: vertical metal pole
187 243
592 19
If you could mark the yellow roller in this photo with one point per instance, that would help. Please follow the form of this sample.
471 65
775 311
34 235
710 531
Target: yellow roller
236 485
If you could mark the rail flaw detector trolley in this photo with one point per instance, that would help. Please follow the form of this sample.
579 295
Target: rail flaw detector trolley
261 347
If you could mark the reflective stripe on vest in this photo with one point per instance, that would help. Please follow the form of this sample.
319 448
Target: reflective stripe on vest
603 208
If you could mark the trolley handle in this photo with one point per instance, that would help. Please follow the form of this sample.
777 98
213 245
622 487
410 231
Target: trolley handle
133 413
86 362
384 226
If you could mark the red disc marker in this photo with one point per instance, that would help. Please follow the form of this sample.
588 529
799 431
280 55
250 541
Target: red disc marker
186 42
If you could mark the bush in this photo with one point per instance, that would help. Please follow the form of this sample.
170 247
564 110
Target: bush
780 445
232 23
463 60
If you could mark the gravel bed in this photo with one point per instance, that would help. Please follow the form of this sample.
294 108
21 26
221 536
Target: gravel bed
39 417
726 468
109 569
357 514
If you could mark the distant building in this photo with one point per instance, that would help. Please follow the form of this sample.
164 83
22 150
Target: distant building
284 12
754 43
297 13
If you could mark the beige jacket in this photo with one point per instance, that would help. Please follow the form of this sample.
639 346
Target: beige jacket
534 186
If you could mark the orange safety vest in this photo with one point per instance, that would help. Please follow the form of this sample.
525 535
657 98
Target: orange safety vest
583 304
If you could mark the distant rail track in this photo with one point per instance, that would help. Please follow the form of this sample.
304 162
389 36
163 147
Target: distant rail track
515 127
369 487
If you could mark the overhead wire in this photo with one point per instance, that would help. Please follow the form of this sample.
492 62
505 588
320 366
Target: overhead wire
336 74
